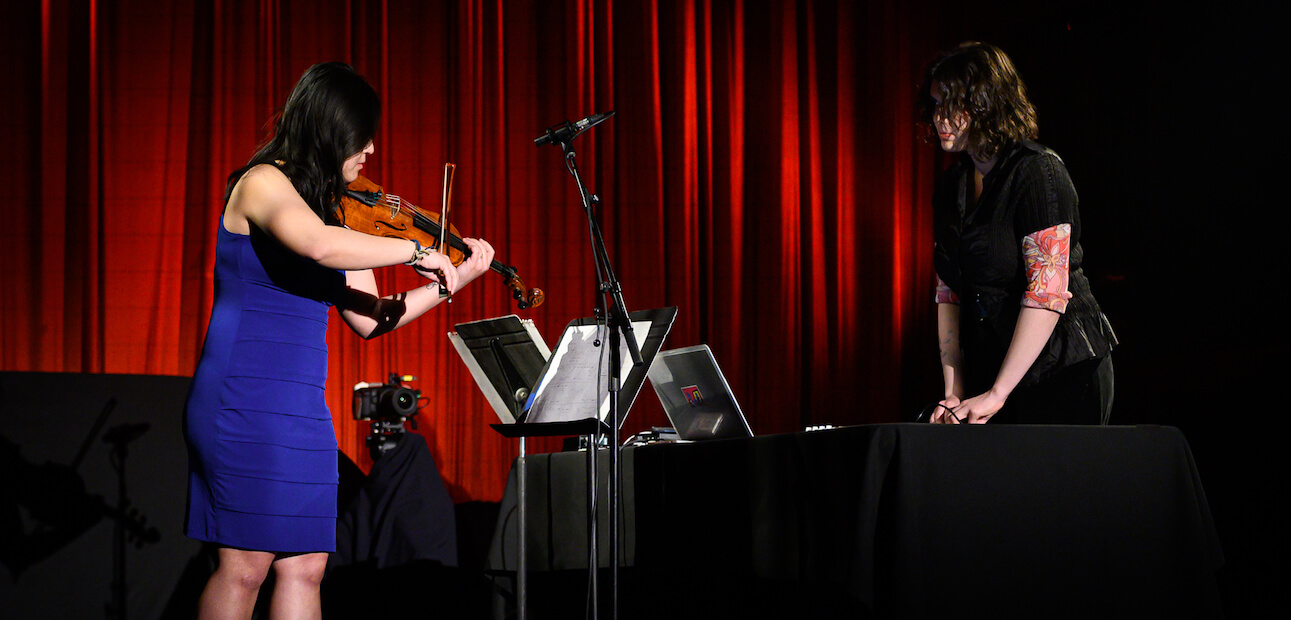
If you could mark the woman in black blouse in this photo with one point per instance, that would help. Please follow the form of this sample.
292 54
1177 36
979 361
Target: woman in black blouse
1022 338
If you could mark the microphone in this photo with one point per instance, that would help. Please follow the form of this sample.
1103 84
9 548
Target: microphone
567 131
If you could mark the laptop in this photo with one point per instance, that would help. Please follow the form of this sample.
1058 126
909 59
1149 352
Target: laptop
695 395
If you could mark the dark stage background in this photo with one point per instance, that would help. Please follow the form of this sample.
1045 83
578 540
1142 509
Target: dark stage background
762 173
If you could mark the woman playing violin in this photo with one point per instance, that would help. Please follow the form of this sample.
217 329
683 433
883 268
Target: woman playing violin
262 449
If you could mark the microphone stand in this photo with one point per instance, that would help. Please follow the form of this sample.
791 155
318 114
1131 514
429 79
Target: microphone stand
119 437
616 315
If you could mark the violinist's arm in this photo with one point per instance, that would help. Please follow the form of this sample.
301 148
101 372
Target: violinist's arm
370 315
266 199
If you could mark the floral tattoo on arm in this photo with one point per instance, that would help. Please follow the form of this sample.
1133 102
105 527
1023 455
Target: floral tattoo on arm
1047 253
944 294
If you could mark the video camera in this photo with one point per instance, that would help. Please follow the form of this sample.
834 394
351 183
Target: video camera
386 406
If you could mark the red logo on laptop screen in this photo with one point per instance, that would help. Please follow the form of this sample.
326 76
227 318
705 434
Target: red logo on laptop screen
692 395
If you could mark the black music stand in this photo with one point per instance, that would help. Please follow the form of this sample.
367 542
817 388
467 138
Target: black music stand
501 354
506 356
548 406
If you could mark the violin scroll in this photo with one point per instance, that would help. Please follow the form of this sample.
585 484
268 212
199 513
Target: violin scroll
525 299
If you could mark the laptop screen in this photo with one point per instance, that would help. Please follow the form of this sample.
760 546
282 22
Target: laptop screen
695 395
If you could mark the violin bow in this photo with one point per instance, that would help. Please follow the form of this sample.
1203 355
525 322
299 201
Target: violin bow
449 168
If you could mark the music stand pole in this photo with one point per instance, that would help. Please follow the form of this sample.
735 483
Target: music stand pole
522 597
593 523
518 392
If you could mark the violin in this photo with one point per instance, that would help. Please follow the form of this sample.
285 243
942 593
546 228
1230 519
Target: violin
367 208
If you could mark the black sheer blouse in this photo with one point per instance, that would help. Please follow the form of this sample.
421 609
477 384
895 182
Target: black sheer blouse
979 256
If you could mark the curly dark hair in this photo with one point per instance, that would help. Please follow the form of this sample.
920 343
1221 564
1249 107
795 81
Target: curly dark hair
979 79
331 114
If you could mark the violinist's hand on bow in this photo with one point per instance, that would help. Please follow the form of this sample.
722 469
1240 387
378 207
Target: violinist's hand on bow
437 268
478 262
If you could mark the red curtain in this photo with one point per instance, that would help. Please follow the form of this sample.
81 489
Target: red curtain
762 173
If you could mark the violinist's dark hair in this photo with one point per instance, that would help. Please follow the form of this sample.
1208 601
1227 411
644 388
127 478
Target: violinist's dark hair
979 79
331 114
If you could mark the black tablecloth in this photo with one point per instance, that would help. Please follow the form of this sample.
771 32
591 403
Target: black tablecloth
901 519
557 515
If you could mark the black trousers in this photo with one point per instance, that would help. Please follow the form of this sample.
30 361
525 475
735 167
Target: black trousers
1078 394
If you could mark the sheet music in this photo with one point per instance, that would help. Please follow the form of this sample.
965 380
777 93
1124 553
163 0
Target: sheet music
577 373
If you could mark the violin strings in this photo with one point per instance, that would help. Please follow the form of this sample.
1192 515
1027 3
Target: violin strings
395 202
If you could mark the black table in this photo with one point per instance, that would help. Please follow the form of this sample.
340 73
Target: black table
891 520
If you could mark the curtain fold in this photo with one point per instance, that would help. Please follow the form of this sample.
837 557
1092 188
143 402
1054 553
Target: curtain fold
761 172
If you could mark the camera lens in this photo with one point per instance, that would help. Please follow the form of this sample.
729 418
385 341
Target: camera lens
400 401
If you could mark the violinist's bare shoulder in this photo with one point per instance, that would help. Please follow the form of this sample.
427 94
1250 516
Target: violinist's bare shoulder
263 196
263 183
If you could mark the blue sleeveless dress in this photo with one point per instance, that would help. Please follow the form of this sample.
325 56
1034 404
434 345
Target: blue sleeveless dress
262 449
